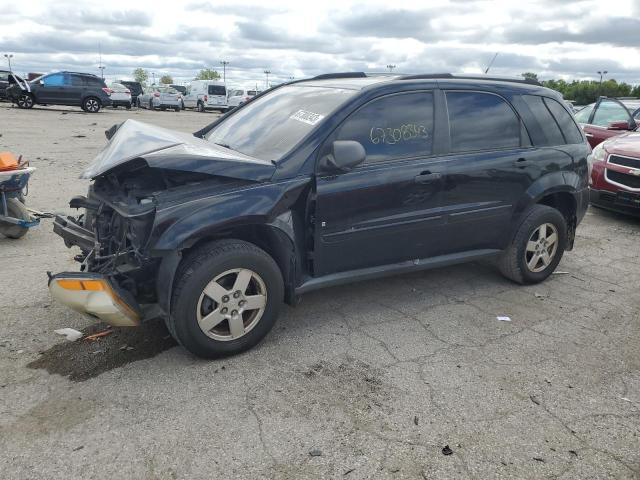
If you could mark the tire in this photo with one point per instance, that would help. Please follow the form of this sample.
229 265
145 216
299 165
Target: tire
91 105
163 109
200 107
515 262
115 106
177 109
25 101
225 260
16 209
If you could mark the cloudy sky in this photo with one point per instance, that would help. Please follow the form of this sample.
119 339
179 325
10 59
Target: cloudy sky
568 39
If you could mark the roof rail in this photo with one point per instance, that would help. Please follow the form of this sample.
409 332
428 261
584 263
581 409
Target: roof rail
326 76
528 81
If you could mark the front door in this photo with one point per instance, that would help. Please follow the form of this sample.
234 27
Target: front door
51 89
607 111
387 209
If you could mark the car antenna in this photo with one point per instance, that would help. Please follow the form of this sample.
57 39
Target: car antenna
491 63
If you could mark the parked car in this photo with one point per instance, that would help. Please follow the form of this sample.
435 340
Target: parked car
120 96
206 95
160 96
135 88
183 91
608 117
63 88
317 183
615 174
4 83
239 96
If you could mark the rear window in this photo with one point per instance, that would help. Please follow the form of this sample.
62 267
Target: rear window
569 128
252 93
481 121
549 131
217 90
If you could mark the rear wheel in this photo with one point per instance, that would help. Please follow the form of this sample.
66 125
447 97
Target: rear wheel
25 101
226 299
537 247
91 105
15 209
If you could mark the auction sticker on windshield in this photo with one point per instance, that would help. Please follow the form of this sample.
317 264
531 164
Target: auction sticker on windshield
307 117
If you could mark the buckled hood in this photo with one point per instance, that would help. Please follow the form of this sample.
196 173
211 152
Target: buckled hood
163 148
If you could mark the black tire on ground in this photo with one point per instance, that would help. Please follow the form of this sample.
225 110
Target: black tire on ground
16 209
91 105
25 101
512 263
177 109
195 273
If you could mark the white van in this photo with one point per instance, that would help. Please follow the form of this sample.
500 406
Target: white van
206 95
238 96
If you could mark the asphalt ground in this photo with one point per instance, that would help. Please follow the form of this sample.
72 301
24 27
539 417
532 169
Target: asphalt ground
405 377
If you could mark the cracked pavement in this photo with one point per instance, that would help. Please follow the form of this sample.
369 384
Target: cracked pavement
375 378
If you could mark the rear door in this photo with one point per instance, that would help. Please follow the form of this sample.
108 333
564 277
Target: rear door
387 209
74 90
490 166
606 111
216 96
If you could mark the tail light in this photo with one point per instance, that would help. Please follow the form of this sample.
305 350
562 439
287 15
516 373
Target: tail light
107 90
206 99
156 94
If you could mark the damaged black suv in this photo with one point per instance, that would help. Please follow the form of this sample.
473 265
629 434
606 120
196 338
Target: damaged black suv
320 182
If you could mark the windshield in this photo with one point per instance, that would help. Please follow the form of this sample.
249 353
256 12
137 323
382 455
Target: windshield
270 126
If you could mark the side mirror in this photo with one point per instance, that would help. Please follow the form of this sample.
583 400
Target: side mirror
620 125
344 156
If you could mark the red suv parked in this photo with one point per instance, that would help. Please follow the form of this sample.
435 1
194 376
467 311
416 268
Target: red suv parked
607 118
615 174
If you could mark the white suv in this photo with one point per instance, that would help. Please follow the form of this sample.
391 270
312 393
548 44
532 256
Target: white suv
206 95
240 96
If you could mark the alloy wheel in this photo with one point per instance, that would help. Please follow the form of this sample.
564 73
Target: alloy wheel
25 101
541 248
92 105
231 304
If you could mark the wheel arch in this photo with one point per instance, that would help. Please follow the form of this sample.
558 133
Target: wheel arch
276 238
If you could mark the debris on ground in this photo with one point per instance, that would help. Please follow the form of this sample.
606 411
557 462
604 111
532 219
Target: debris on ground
315 452
560 273
626 399
503 319
539 295
70 333
447 450
415 420
538 459
573 452
98 335
534 399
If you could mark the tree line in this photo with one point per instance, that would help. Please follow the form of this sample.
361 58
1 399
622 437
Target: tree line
583 92
142 76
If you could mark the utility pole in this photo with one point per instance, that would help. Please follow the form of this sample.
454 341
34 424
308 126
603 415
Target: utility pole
100 66
267 72
224 64
491 63
601 73
8 56
391 67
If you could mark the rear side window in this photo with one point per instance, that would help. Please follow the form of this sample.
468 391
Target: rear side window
393 127
481 121
569 128
582 115
551 134
217 90
608 112
76 80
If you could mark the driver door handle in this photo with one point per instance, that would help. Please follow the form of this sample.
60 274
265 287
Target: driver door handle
427 177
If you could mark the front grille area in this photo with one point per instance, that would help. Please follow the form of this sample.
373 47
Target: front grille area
624 161
631 181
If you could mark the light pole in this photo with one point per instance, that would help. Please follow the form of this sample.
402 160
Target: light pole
391 67
224 64
267 72
8 56
102 67
601 73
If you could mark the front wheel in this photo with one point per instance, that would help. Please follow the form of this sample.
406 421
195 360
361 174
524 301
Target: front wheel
15 209
537 247
226 298
25 101
91 105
